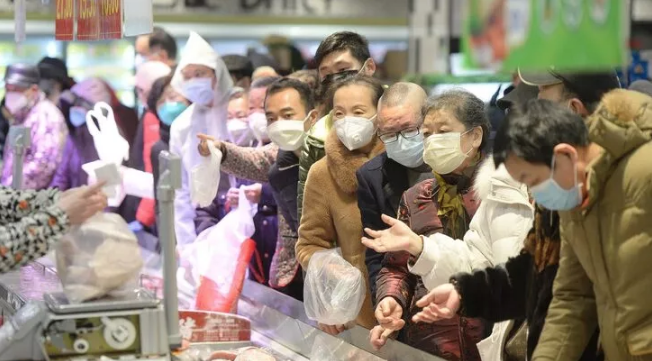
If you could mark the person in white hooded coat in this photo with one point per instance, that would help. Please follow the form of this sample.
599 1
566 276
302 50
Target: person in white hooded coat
496 233
202 78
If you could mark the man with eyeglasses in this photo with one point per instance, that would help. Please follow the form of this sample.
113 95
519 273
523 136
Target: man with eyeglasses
382 181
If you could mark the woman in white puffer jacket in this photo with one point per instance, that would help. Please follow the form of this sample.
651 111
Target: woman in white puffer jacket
496 233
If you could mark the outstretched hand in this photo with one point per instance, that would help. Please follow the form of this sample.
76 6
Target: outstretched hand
443 302
399 237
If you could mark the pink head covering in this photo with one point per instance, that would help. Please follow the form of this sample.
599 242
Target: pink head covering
147 73
93 90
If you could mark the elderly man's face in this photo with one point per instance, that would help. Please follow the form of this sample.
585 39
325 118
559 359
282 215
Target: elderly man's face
392 120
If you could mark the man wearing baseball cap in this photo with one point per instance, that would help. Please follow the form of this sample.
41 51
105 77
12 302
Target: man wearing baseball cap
581 91
26 105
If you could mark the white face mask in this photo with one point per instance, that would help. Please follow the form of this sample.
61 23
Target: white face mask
199 90
240 132
16 103
443 152
288 134
355 132
258 125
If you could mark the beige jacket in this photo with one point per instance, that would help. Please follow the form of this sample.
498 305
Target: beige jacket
331 217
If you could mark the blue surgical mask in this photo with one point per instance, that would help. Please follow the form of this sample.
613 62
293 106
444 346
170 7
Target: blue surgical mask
550 195
199 90
170 111
406 151
77 116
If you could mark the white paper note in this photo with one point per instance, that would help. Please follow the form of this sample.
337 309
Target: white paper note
138 17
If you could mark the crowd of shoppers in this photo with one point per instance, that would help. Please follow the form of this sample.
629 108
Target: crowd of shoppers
513 230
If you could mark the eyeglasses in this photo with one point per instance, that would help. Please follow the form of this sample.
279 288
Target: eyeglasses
392 137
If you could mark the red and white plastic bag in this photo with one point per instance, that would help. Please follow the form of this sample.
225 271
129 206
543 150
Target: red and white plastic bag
214 267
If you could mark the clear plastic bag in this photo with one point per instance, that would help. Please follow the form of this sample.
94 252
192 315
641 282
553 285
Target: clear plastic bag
334 290
100 257
205 178
213 268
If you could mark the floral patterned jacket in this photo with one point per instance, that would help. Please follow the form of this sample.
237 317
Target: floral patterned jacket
49 134
29 223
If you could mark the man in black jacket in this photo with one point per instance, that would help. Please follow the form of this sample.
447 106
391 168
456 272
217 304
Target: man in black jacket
289 106
382 181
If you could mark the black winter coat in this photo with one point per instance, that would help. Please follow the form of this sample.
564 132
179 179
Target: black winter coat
381 183
511 292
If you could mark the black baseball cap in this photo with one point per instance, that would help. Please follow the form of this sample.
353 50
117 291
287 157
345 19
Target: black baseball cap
642 86
519 95
589 86
238 64
56 69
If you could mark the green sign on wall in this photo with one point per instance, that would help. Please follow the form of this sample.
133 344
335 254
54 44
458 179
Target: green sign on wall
535 34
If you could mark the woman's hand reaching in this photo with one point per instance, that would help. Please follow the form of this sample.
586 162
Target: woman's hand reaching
203 144
399 237
82 203
443 302
390 318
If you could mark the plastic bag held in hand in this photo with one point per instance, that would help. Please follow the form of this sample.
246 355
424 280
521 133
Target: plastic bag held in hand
205 178
219 259
110 145
334 290
99 257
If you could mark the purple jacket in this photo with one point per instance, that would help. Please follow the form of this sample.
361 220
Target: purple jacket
79 150
49 132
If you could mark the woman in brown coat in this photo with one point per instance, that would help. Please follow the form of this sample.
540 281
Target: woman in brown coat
331 217
455 129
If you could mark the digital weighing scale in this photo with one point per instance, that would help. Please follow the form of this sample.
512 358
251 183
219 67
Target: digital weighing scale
135 327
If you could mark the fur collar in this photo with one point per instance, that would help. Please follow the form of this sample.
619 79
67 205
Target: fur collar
488 174
622 122
482 182
343 163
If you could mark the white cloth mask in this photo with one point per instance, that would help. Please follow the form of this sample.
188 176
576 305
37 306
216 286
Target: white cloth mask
199 90
258 125
240 132
16 102
443 152
355 132
287 134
